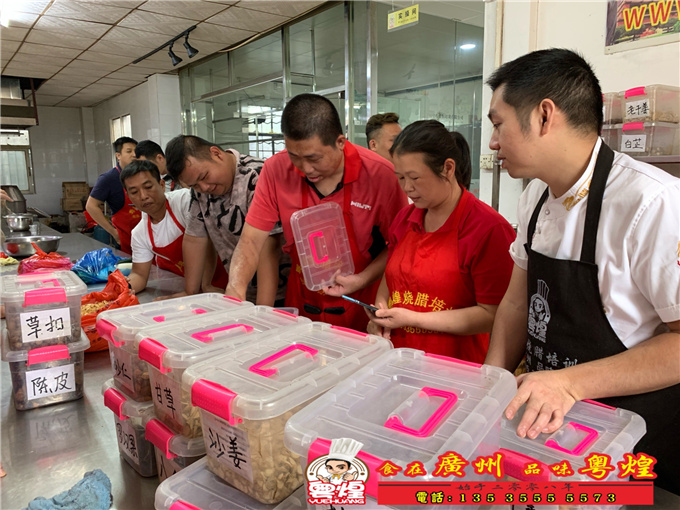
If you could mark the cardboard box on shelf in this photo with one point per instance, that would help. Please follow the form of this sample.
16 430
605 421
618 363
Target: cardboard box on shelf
71 204
74 189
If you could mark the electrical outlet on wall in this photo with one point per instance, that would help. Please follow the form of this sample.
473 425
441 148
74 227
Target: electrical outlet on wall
486 162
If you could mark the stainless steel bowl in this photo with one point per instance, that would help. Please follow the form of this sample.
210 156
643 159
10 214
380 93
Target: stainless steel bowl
20 246
19 221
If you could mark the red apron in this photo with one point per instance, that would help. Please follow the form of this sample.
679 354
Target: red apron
220 277
168 257
320 307
423 275
125 220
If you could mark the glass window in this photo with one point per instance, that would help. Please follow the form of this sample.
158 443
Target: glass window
257 59
206 77
15 160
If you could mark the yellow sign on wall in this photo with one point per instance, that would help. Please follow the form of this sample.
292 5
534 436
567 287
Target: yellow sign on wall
403 17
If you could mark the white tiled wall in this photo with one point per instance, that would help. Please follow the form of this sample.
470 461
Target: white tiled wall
58 155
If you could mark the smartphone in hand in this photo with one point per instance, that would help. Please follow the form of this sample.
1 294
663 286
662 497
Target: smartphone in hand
357 302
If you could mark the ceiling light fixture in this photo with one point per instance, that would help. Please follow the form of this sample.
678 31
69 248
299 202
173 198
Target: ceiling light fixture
191 51
468 46
175 59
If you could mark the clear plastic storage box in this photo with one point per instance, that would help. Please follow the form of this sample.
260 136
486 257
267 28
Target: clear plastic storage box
130 417
171 349
174 452
46 375
589 427
42 309
322 244
611 135
650 139
408 406
653 103
119 327
612 107
247 396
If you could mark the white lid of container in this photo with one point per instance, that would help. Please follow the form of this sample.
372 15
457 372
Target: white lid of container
280 370
322 244
125 407
407 406
170 443
643 91
41 288
641 126
181 345
121 325
197 488
44 354
588 427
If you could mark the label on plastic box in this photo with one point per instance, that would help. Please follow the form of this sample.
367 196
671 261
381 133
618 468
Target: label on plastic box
127 440
121 362
637 109
166 467
45 324
228 445
50 381
167 397
633 143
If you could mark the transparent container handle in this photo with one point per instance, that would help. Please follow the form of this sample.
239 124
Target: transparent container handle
206 336
450 399
312 243
591 435
310 352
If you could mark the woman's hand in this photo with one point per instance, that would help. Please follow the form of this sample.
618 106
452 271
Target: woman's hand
374 329
344 285
393 318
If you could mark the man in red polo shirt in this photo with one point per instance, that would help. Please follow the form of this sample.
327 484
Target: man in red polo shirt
319 165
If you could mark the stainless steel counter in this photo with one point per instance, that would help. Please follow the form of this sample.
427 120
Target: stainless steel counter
47 450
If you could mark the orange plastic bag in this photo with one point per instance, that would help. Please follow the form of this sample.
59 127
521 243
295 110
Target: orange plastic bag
116 291
42 261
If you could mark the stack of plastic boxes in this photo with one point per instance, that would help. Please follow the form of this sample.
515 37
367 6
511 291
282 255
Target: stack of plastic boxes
44 343
245 398
407 407
647 122
589 427
128 394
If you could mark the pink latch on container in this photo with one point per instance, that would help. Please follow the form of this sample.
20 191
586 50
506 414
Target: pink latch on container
159 318
49 353
395 423
277 310
206 336
182 505
215 399
233 299
106 331
455 360
114 400
596 403
160 436
312 243
591 435
633 126
43 296
310 352
152 352
350 331
514 463
637 91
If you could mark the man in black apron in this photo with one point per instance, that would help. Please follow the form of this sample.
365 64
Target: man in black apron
547 112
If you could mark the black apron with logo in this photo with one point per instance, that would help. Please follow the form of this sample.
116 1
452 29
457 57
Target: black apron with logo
567 325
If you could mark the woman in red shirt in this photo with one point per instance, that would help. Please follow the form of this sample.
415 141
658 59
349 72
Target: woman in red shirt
448 261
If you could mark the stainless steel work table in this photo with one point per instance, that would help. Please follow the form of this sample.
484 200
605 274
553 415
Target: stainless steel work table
47 450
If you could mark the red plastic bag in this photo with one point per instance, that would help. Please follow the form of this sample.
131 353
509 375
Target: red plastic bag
42 262
116 291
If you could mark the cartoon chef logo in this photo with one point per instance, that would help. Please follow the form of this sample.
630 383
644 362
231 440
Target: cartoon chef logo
338 478
539 312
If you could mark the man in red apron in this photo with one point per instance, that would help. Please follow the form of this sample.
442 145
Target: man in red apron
594 299
319 165
109 189
158 237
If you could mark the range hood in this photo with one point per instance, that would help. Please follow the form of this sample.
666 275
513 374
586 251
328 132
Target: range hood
18 109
